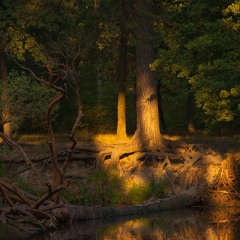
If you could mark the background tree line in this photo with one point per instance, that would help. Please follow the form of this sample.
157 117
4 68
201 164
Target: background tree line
185 53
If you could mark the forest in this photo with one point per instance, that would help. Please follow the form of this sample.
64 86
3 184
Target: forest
140 72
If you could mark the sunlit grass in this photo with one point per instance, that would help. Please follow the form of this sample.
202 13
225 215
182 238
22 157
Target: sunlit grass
104 138
110 138
172 138
81 136
33 138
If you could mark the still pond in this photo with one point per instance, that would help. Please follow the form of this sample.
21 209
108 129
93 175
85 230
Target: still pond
183 224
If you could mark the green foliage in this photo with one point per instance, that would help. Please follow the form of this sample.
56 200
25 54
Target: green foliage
197 43
101 118
72 197
53 35
104 188
139 193
159 187
201 47
218 99
28 101
99 102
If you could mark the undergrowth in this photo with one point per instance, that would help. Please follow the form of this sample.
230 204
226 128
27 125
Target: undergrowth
106 188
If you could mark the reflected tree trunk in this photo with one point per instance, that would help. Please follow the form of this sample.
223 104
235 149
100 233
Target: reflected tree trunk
7 128
148 130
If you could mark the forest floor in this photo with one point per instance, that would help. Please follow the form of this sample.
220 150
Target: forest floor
37 143
200 154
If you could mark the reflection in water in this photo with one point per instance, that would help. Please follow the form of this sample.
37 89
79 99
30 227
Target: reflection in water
192 224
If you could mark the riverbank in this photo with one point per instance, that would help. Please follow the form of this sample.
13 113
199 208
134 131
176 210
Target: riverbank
190 162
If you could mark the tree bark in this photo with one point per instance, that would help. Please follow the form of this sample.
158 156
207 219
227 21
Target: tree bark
122 75
190 105
163 125
148 130
7 128
74 213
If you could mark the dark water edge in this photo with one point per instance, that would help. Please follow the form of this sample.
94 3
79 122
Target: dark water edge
187 223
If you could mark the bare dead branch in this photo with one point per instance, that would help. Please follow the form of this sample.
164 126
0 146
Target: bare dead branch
18 194
52 144
39 79
50 194
74 129
5 121
5 196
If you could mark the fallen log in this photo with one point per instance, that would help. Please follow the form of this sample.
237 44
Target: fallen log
73 213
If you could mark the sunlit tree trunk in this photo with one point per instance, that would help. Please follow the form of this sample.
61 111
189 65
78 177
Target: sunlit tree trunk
190 106
5 98
122 74
148 130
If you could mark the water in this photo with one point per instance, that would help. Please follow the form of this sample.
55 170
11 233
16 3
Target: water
192 224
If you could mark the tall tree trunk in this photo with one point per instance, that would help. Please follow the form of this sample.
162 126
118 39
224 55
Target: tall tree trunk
122 75
163 125
99 84
190 105
148 130
7 128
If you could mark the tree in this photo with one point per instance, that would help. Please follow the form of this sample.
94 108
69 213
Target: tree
27 101
214 53
148 131
6 115
122 72
56 51
200 48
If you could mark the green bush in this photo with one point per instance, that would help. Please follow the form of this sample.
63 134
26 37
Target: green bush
138 194
159 187
28 101
103 187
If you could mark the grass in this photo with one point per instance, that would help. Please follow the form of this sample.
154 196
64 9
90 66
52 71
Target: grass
108 138
33 138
